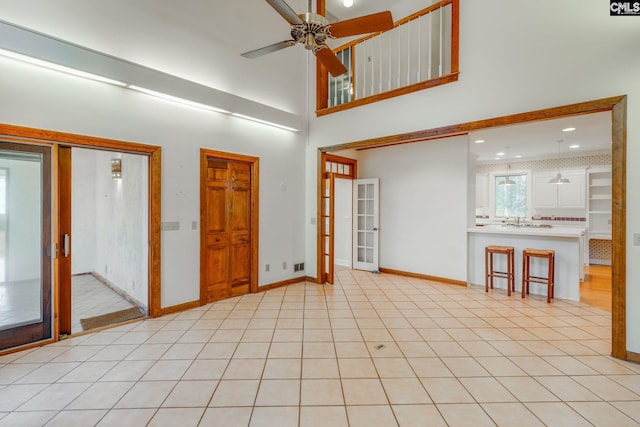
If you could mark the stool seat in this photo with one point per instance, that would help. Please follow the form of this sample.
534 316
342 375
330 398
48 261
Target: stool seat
527 278
490 272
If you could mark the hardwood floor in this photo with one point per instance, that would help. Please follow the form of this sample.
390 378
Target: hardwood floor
596 288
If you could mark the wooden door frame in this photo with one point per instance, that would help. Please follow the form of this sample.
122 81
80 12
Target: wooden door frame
26 135
617 105
324 158
254 165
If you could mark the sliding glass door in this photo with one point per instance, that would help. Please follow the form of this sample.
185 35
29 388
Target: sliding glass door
25 244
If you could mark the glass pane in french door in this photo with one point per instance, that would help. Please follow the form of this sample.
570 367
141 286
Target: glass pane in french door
365 224
25 242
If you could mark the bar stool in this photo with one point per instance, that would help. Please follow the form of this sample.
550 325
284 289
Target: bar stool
490 273
527 278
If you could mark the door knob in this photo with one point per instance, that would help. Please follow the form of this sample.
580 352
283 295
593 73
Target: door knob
375 228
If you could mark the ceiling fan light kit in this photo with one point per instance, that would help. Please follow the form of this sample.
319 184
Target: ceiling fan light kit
312 30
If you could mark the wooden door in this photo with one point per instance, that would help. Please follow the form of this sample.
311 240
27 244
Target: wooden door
64 230
331 167
227 232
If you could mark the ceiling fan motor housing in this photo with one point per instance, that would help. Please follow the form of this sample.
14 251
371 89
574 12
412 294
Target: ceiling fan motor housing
312 32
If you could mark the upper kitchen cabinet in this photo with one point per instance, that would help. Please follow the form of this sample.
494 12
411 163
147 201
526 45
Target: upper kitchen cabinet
571 195
482 193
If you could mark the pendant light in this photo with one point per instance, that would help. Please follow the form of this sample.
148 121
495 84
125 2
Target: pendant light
558 179
507 179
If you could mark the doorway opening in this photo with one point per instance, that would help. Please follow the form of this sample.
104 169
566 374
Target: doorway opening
109 234
332 167
618 109
228 225
55 215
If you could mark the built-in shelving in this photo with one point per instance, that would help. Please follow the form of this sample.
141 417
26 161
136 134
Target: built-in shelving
599 203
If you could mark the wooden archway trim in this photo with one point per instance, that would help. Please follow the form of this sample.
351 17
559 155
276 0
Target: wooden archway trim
33 135
618 107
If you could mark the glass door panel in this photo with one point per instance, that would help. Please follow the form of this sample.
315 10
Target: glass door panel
25 244
366 224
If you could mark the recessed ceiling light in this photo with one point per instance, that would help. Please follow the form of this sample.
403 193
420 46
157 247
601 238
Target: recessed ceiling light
568 129
500 154
518 156
347 3
574 146
479 141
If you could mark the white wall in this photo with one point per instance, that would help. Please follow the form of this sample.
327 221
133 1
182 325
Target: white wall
122 223
423 205
45 99
110 220
83 208
515 57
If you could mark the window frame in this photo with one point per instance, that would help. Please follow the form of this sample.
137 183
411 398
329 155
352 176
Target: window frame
492 191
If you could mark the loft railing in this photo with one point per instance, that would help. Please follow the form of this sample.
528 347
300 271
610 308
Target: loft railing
421 51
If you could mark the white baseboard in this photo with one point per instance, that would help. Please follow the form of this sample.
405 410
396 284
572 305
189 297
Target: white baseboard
342 262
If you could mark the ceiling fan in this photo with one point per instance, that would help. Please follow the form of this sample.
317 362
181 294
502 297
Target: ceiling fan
312 30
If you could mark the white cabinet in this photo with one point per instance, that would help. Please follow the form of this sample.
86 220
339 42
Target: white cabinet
599 218
545 195
563 196
482 192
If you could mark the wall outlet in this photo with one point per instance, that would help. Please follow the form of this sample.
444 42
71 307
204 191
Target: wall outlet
636 239
284 265
267 267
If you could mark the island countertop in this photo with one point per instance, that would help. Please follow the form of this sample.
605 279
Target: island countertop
574 232
567 243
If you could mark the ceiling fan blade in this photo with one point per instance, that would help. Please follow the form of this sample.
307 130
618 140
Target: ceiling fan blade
381 21
330 60
286 12
268 49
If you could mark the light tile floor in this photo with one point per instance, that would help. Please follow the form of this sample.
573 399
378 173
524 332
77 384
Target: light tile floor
92 298
373 350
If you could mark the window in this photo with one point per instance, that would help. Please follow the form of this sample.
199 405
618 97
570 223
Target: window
510 200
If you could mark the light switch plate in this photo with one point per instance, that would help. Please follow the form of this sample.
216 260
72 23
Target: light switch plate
171 225
636 239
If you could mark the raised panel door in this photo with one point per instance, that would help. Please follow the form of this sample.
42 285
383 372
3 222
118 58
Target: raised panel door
228 229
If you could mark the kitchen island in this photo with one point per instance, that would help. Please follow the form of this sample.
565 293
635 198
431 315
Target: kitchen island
566 241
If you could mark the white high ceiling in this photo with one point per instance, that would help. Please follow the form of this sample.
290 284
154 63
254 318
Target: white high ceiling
539 140
201 40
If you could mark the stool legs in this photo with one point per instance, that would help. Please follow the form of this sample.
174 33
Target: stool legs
490 273
527 278
552 282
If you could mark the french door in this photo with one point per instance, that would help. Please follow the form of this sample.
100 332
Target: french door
26 250
365 224
331 167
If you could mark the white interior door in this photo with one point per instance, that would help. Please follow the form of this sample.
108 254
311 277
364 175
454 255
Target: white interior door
365 224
